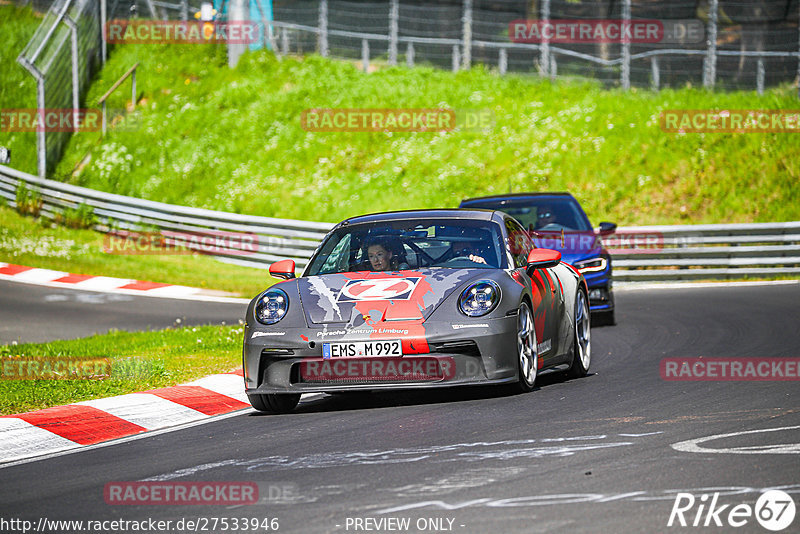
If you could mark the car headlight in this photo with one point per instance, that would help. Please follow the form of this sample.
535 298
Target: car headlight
592 266
479 298
272 306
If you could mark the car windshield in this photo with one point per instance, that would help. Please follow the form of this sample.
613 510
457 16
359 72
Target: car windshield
544 214
410 244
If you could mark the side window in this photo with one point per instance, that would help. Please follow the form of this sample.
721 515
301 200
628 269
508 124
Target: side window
519 242
337 260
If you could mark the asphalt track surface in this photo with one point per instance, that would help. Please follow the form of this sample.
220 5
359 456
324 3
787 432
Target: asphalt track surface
587 455
35 314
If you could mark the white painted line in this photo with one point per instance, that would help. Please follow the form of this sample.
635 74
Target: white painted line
638 286
39 275
693 445
20 439
225 384
146 410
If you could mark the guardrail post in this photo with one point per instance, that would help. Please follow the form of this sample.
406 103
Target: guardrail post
466 35
394 16
365 54
73 38
502 62
410 54
626 46
760 76
285 41
655 73
456 59
553 67
710 63
323 28
133 87
103 28
544 58
184 10
41 138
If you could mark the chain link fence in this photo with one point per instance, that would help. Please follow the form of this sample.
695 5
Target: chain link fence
742 44
68 48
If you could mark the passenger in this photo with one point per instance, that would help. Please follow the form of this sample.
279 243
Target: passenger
381 257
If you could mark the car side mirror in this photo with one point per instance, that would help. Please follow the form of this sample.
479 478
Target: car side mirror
607 228
542 258
282 269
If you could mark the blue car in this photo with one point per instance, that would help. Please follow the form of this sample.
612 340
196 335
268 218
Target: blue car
557 221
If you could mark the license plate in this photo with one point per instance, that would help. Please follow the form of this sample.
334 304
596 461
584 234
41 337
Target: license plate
362 349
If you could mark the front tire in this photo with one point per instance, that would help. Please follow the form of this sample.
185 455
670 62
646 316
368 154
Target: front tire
527 357
275 403
582 345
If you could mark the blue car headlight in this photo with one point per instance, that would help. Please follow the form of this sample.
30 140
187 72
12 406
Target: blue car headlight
272 306
593 265
479 298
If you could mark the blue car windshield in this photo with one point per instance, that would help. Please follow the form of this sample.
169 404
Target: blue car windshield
545 214
411 244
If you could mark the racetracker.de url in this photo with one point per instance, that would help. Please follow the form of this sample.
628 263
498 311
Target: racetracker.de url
142 526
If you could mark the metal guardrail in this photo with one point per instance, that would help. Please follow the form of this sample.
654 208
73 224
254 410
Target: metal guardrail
275 239
639 253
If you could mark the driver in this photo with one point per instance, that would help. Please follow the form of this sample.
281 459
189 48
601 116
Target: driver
544 216
464 249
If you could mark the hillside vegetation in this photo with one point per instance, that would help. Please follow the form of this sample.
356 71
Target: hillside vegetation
231 139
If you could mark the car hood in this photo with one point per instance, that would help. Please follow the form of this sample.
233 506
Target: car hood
375 297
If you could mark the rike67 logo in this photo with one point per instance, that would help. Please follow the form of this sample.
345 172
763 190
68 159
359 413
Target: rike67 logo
378 289
774 510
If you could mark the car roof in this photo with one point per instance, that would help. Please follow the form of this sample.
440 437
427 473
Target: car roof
442 213
510 196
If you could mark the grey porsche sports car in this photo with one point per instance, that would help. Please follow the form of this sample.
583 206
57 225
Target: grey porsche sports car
416 299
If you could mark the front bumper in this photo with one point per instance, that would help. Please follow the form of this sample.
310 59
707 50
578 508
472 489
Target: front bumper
481 352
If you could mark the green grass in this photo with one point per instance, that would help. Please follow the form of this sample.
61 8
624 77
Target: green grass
39 243
139 361
232 140
17 86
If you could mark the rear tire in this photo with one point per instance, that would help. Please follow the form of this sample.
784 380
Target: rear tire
527 357
275 403
582 344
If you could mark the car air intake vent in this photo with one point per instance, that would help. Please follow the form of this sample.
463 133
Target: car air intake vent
467 347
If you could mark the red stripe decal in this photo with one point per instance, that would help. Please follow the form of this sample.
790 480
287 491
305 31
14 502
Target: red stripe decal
73 278
14 269
82 424
199 398
143 286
